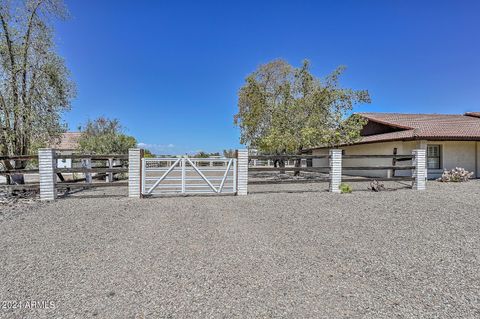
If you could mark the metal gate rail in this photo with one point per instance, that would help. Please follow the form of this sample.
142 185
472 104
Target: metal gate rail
189 176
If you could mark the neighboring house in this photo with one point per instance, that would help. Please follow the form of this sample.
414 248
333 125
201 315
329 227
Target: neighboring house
67 144
68 141
450 141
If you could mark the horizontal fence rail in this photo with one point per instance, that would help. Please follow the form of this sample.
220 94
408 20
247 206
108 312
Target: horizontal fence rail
379 179
19 171
90 185
63 185
91 170
406 157
92 157
18 157
295 157
20 187
323 168
286 157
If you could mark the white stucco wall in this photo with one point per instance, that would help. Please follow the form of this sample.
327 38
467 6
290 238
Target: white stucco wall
454 154
478 159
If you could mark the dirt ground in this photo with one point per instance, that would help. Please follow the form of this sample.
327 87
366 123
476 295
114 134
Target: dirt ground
284 251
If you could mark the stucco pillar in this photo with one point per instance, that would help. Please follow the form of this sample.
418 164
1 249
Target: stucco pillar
420 171
335 170
242 172
48 178
422 145
134 172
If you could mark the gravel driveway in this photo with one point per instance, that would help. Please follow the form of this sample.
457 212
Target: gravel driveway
274 253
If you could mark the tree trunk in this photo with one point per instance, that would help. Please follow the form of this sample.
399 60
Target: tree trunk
298 163
281 163
7 166
18 179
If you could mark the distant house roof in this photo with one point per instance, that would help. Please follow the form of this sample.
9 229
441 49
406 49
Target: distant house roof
68 141
383 127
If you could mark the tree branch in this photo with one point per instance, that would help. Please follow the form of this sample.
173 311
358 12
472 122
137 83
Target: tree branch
13 73
26 46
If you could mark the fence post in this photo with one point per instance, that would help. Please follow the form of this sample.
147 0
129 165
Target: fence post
46 169
134 172
420 171
87 164
335 170
183 163
109 176
242 172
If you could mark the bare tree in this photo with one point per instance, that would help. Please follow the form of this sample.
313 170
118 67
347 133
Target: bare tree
35 84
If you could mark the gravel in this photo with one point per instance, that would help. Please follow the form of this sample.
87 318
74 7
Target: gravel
285 251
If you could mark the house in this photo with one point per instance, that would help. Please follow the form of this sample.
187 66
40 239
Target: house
68 144
68 141
449 140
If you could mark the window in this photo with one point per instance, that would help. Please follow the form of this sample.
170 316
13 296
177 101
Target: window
433 156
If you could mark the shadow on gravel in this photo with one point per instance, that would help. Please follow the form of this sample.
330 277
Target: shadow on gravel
288 191
289 188
90 196
107 192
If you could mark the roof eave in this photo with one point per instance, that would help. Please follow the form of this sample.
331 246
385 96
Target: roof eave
385 122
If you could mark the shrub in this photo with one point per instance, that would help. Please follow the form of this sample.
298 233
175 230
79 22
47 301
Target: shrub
376 186
457 174
345 188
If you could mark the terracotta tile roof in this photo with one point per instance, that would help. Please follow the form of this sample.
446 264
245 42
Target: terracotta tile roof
68 141
393 136
474 114
426 126
453 127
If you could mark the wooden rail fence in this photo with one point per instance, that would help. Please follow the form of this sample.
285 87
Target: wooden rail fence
416 166
100 171
49 173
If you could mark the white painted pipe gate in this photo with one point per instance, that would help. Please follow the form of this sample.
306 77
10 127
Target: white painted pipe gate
161 176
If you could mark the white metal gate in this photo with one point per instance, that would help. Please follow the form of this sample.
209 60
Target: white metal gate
186 175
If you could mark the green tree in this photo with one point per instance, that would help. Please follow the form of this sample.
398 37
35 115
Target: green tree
147 153
230 153
283 109
202 154
35 85
105 136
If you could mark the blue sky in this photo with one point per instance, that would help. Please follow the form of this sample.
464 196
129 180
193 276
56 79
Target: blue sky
170 71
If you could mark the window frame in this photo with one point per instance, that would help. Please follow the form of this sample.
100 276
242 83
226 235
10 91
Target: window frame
439 157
